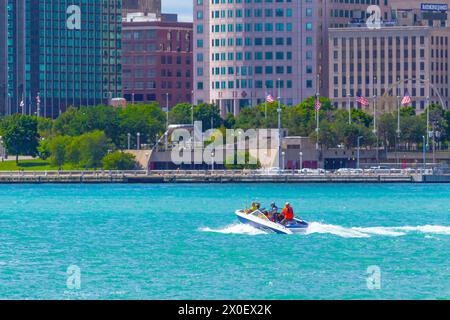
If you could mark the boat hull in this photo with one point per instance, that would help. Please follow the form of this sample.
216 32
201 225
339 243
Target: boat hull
269 226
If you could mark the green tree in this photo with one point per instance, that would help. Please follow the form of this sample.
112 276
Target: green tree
181 114
119 161
20 135
43 149
413 128
230 121
58 147
231 162
148 120
207 113
75 122
387 127
45 127
93 146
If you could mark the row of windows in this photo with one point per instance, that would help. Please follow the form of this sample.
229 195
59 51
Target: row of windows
213 2
257 56
250 84
151 60
244 71
151 73
390 41
238 42
255 27
248 13
139 97
140 85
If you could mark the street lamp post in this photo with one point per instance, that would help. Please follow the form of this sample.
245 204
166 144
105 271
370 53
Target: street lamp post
301 161
424 154
2 149
138 141
129 141
279 122
167 120
434 142
147 167
358 152
192 108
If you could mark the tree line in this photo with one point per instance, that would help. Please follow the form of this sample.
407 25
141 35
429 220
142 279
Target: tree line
95 137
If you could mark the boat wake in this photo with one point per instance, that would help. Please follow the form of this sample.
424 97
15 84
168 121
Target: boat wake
344 232
238 228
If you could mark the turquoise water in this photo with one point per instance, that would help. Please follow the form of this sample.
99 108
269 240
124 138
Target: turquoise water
183 242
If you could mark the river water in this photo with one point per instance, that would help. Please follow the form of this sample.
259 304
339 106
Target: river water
366 241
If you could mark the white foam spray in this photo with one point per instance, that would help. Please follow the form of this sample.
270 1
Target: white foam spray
340 231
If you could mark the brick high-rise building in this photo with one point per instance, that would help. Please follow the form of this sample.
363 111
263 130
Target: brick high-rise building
157 61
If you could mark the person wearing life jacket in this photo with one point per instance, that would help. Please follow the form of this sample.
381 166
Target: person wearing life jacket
287 213
273 213
255 206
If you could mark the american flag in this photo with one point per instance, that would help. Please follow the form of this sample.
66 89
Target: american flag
269 98
362 100
406 99
318 105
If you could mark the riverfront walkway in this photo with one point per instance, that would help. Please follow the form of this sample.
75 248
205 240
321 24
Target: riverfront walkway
219 176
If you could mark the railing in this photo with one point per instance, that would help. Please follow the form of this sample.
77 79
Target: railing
219 172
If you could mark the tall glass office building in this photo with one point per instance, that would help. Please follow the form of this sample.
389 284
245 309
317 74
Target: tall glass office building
58 53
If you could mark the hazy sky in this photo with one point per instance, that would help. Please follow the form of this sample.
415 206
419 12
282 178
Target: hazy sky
182 7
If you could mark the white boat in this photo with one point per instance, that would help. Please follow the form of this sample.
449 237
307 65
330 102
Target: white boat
259 220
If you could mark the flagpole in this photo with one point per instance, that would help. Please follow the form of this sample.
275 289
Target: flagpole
317 112
280 165
398 128
375 131
265 103
38 109
428 122
349 110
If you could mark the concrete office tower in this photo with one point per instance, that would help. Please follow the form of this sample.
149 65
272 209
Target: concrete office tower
387 63
54 55
244 50
342 14
421 12
144 6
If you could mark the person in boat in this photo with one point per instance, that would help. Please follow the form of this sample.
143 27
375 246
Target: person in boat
273 213
287 213
255 206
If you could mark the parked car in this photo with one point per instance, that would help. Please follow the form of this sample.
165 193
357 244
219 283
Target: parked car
274 170
312 171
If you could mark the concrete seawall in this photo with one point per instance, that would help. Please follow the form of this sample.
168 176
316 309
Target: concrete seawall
207 177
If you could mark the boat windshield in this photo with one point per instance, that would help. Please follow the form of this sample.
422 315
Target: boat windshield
259 214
